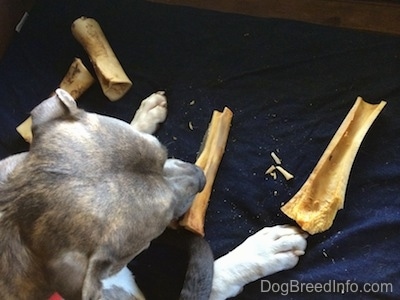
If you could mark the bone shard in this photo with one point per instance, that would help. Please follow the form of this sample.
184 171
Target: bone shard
315 205
271 169
209 159
285 173
76 81
275 157
113 79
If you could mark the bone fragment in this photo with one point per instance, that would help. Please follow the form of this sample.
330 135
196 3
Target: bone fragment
315 205
208 160
285 173
275 157
271 169
76 81
113 79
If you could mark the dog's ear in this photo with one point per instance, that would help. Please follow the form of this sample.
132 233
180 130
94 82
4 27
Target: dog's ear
61 104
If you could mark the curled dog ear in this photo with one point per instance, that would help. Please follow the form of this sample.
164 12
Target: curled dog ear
61 104
66 98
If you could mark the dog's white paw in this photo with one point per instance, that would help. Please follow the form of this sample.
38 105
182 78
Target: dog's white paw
270 250
152 112
121 286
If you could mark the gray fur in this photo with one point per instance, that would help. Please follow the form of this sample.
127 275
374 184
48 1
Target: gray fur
199 273
90 195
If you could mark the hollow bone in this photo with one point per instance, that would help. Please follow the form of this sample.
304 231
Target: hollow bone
315 205
113 79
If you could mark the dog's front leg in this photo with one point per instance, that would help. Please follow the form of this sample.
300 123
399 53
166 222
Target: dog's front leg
99 264
270 250
152 112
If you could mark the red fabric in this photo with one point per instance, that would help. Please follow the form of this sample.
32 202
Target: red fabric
55 297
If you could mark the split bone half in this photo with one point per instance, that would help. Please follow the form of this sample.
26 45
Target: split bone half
315 205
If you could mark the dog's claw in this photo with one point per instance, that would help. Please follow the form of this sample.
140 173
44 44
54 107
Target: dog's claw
299 252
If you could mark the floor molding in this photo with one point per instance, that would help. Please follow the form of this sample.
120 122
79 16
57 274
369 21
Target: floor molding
379 16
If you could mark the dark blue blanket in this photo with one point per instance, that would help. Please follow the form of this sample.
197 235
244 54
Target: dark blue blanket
289 85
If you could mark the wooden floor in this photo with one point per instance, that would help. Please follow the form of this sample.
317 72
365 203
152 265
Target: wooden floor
379 16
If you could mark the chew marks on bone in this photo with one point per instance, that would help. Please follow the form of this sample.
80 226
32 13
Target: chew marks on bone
76 81
315 205
209 159
113 79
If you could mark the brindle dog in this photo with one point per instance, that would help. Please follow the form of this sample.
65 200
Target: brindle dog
91 194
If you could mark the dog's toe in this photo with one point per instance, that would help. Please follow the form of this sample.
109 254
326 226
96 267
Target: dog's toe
284 261
290 242
157 99
270 250
273 249
152 111
280 231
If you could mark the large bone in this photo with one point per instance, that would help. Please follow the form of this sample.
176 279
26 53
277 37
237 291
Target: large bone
315 205
208 160
76 81
113 79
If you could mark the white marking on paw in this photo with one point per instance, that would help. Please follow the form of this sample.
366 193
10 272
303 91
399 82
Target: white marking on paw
152 112
124 280
270 250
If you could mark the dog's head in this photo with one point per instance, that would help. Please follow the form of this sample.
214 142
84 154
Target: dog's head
91 193
67 137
